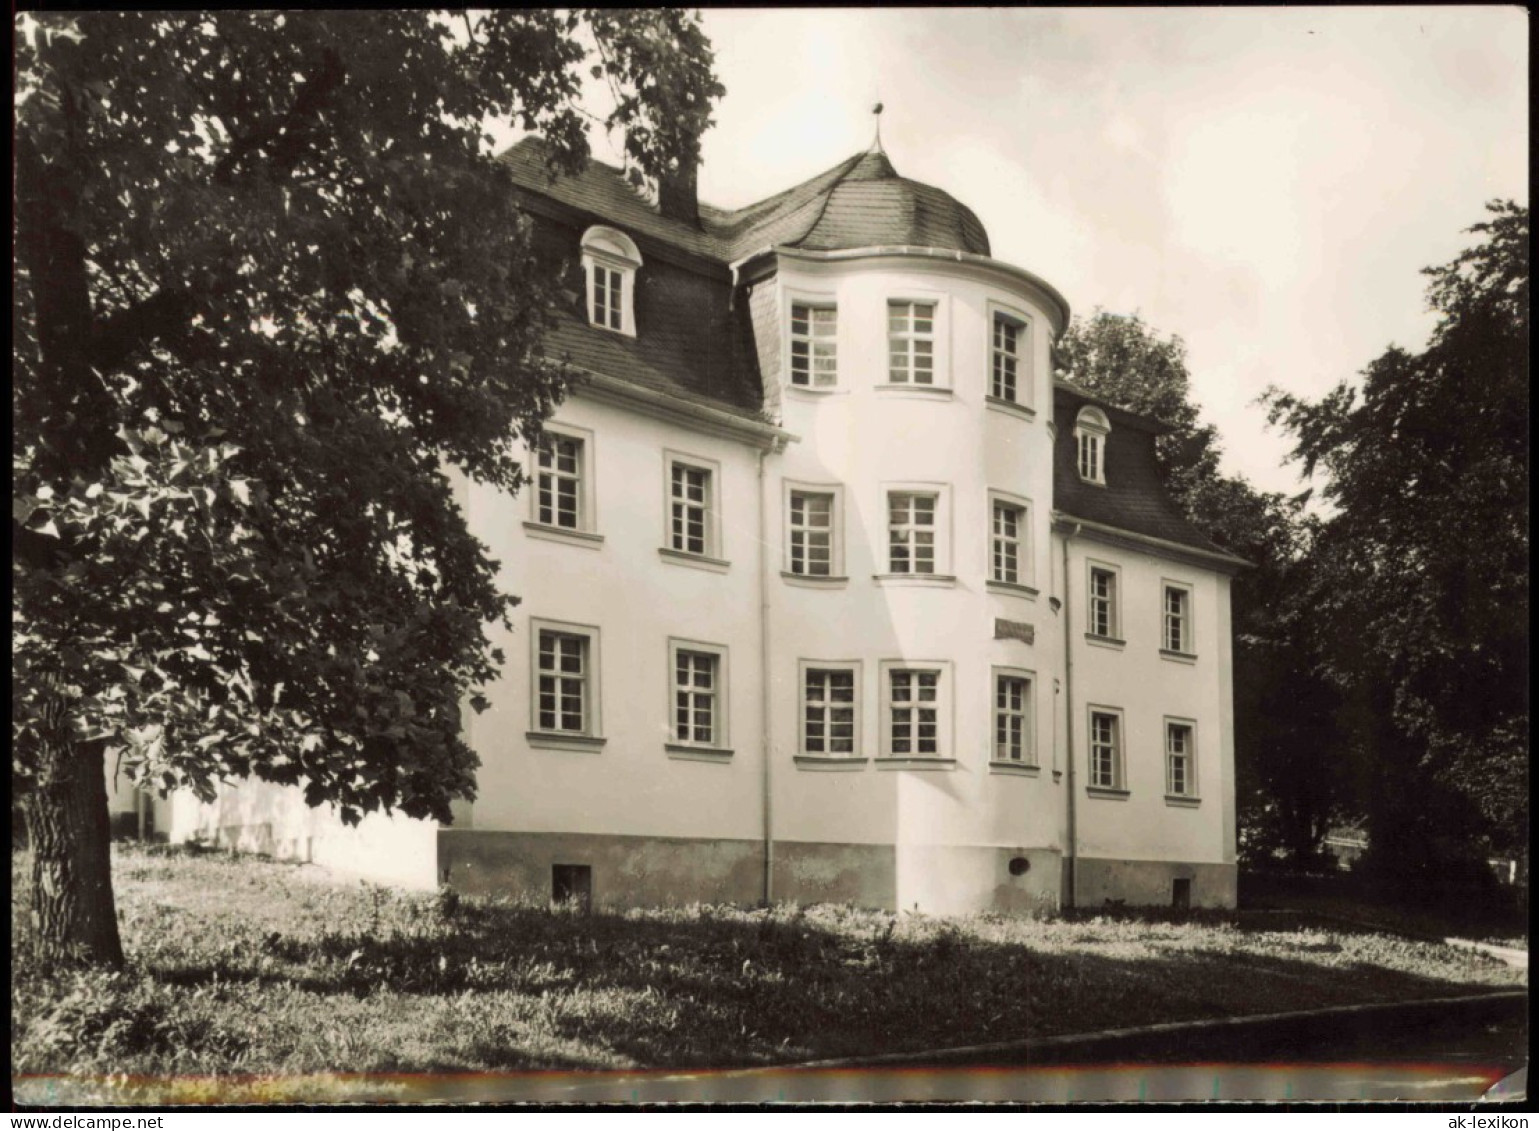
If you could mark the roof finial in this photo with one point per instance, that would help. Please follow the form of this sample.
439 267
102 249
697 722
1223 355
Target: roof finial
876 142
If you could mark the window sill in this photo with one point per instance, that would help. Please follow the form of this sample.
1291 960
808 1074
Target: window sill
564 534
1011 589
686 753
1092 482
917 580
554 740
1107 792
815 393
830 762
1105 641
1178 657
1010 408
1016 769
914 762
694 561
1179 801
815 581
623 332
920 392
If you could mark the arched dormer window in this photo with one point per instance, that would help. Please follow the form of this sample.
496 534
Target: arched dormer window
609 263
1090 431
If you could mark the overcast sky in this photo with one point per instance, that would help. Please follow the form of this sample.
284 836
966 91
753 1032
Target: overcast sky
1266 183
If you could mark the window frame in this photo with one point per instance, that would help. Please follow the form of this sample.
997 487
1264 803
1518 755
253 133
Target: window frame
1024 400
611 249
1118 786
857 756
1026 574
720 747
939 337
1188 620
811 302
836 575
1113 636
1190 795
711 556
944 753
586 530
591 736
1091 427
1029 760
941 568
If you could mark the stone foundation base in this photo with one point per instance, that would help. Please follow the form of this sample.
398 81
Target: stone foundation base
1151 883
623 871
632 871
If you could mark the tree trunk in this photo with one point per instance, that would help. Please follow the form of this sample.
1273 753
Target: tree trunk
70 902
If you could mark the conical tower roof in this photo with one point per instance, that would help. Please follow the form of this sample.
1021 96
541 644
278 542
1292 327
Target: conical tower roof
861 202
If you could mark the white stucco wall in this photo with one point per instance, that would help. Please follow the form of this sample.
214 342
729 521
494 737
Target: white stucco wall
274 820
868 438
638 599
862 439
1148 688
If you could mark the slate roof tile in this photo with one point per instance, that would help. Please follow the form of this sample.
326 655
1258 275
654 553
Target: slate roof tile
860 202
1134 498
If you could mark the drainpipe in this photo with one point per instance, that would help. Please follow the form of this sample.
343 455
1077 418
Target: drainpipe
1068 714
764 681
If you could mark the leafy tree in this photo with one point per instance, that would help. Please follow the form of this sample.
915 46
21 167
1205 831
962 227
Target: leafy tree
271 283
1423 566
1290 784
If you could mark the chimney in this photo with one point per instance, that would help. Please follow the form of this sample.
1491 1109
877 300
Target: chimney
678 194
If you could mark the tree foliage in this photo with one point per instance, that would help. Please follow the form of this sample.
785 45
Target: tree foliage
271 283
1423 566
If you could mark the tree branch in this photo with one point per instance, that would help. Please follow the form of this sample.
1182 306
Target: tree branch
162 315
289 136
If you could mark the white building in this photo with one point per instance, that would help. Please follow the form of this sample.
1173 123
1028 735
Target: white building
830 591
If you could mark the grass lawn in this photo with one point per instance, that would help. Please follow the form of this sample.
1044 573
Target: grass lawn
264 971
1502 920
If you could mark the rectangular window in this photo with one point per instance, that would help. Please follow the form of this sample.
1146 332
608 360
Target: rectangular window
558 487
911 532
1090 456
911 343
1006 358
1009 524
564 703
1013 730
606 296
812 533
829 704
1178 632
691 505
914 712
1180 769
814 348
1105 750
1103 603
699 723
695 690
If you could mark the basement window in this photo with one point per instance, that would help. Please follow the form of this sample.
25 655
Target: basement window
572 885
1181 894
